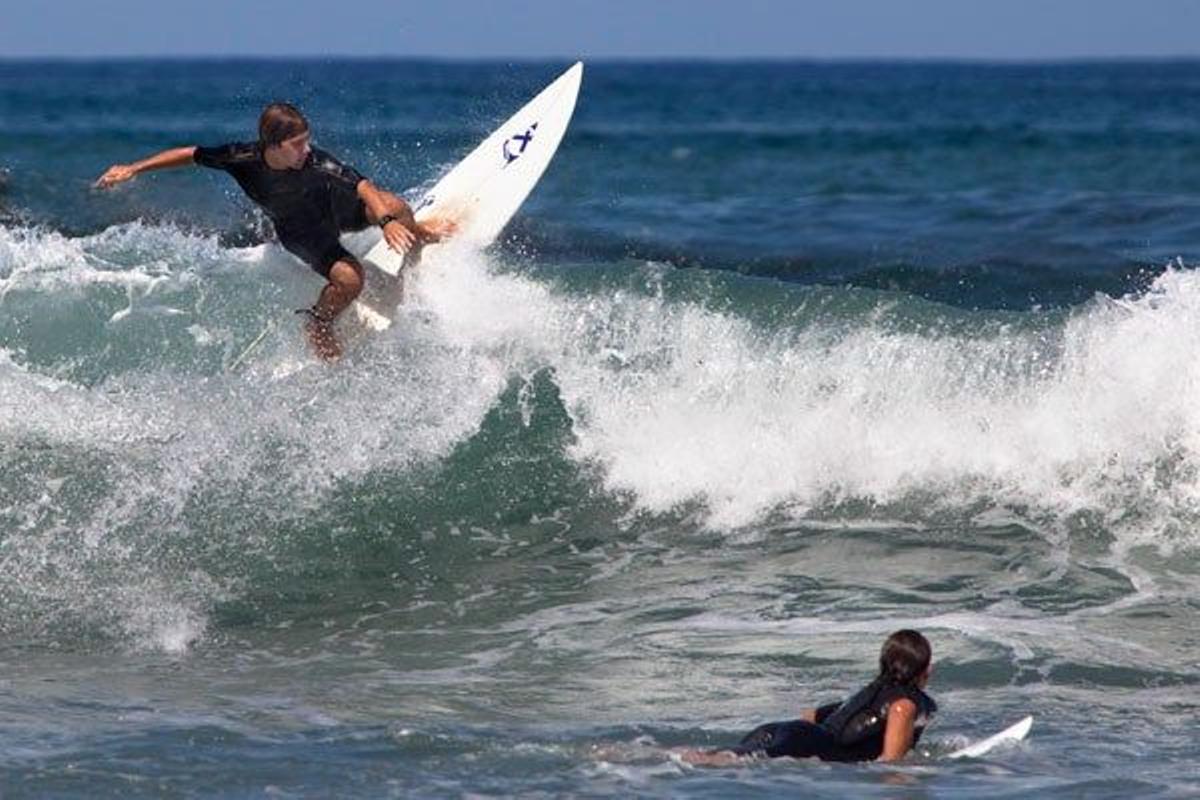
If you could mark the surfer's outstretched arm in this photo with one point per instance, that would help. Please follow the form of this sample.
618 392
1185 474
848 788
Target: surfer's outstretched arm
119 173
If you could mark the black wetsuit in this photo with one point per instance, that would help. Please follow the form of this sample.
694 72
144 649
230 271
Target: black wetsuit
309 206
848 731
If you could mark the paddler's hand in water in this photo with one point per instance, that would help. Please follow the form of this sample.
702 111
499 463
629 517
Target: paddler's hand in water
117 173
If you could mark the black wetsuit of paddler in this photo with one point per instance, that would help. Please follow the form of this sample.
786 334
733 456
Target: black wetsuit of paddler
309 206
848 731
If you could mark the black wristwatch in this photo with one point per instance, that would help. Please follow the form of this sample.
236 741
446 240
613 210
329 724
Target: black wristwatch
384 220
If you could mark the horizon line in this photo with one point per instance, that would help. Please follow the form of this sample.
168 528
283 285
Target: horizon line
612 59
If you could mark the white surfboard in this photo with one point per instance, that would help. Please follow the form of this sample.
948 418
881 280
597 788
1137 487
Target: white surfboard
483 191
1011 734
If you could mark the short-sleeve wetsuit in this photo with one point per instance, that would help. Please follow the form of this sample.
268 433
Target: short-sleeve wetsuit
309 206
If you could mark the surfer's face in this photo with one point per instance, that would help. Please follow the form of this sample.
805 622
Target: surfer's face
293 152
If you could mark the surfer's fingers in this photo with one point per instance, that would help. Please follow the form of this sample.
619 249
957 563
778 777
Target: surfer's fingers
437 229
115 174
399 238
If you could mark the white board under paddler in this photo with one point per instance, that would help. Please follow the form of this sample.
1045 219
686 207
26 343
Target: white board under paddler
1010 735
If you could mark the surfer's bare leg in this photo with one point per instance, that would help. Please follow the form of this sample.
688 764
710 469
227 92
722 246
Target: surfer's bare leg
345 284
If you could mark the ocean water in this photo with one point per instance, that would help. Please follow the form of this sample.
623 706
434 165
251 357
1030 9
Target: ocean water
777 358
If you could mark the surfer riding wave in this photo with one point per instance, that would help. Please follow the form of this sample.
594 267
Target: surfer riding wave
311 198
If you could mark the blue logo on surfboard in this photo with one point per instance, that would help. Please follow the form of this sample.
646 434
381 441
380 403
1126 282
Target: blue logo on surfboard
514 146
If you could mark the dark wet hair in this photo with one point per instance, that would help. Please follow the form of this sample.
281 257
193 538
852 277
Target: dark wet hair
904 657
279 122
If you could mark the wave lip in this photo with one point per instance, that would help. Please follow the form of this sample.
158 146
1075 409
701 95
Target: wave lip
1089 410
728 400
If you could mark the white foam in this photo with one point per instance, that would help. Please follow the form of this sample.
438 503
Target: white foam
162 621
272 441
674 401
681 403
39 260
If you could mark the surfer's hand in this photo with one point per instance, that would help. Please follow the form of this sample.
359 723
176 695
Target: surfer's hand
398 237
435 230
117 173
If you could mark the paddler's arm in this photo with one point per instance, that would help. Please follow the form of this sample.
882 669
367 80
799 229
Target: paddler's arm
898 736
119 173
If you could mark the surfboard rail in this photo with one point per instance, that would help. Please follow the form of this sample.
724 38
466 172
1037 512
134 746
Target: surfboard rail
483 191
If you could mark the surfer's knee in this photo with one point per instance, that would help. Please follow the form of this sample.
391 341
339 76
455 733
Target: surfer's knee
348 278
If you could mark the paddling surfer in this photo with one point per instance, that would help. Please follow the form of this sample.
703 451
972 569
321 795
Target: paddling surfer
311 198
881 722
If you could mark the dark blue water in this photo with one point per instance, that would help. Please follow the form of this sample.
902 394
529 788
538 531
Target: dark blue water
777 358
